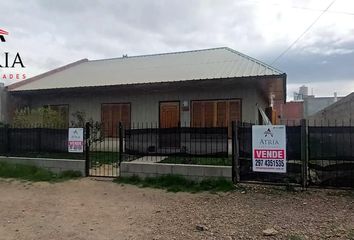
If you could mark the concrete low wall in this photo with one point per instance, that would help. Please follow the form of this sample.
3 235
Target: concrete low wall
54 165
189 171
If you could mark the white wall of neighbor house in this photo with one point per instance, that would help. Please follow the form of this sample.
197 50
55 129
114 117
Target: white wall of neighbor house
145 102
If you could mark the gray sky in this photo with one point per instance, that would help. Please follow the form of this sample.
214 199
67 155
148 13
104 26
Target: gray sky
52 33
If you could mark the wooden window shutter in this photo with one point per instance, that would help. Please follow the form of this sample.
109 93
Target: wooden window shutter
125 115
197 114
235 110
116 118
209 114
221 114
106 118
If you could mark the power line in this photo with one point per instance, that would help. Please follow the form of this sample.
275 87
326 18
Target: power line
302 34
319 10
299 7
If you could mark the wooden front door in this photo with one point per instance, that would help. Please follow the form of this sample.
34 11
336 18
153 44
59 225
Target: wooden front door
169 114
112 114
169 123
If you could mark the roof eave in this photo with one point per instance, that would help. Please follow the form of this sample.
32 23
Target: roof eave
13 87
283 76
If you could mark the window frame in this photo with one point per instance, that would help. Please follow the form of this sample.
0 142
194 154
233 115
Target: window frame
213 100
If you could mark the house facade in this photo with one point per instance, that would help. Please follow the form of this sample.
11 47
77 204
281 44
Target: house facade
205 88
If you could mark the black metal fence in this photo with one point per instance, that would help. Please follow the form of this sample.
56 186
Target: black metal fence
331 155
36 141
184 145
294 161
317 154
144 142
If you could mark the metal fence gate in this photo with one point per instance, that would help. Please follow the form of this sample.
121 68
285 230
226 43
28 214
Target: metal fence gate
103 145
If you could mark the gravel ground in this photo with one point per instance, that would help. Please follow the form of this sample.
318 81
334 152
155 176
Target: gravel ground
92 209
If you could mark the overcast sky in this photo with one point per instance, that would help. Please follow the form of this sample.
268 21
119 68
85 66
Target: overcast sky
49 34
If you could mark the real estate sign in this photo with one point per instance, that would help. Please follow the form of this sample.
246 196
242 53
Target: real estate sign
269 148
76 140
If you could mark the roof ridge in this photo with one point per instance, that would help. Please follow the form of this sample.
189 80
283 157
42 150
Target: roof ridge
191 51
253 59
159 54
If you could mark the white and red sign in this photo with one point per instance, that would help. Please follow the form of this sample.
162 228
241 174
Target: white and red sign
76 140
269 148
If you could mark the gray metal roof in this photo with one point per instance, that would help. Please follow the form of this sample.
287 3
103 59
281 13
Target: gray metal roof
212 63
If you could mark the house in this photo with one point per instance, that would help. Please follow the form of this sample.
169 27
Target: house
339 113
201 88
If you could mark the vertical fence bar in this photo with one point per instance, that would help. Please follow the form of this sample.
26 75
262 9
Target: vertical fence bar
120 139
304 153
233 139
87 148
235 155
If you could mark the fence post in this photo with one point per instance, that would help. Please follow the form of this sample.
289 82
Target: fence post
235 154
304 152
120 139
87 148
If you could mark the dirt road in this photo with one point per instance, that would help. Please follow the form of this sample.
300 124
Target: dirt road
91 209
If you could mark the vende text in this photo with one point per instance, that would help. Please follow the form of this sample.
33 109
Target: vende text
269 154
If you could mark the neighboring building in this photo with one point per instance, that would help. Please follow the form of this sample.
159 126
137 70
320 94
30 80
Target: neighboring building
303 93
204 88
340 112
311 103
290 113
314 104
303 106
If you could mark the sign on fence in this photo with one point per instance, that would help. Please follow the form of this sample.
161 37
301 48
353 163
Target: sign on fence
269 148
76 140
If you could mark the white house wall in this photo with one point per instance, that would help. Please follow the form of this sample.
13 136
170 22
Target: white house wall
145 103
